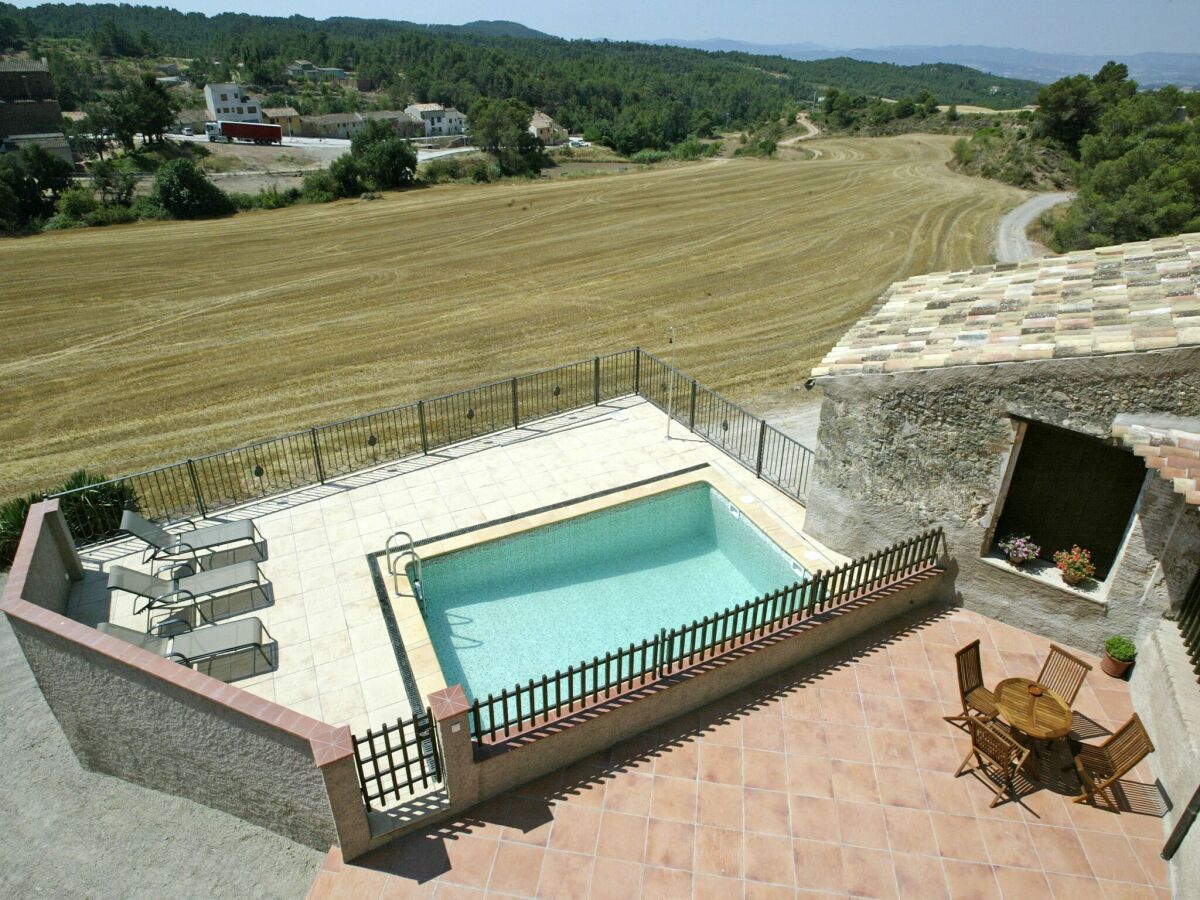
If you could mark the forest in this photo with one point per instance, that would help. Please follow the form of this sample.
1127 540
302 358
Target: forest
631 96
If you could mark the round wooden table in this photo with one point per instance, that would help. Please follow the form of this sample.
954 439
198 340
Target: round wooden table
1033 709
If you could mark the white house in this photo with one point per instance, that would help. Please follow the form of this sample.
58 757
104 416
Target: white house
546 130
438 119
229 103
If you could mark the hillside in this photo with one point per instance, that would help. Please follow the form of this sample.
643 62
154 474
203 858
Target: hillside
759 265
631 95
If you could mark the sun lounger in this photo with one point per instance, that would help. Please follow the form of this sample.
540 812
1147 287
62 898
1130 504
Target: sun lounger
200 644
159 592
161 543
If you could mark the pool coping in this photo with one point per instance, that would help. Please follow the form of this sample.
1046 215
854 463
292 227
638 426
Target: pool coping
420 668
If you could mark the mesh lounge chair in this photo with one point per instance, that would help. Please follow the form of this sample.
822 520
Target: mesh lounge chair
970 685
1063 673
161 543
997 751
1100 767
201 644
159 592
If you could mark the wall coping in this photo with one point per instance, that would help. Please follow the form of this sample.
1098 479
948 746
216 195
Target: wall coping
328 743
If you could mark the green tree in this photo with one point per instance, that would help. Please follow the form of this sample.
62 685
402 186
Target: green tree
185 193
112 182
501 127
346 175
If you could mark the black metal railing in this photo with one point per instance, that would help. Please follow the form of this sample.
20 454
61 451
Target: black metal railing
586 684
207 484
766 451
396 758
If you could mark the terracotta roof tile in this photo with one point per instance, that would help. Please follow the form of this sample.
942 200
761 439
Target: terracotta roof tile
1170 445
1131 297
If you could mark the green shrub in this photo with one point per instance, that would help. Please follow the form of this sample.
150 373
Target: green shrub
1120 648
319 187
650 157
148 208
76 202
110 214
183 191
91 514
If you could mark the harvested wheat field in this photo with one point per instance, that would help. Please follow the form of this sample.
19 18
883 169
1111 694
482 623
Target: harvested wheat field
131 346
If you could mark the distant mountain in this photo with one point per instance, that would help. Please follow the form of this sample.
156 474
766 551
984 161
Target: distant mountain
1148 69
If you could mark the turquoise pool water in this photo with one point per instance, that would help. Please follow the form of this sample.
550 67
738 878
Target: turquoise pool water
521 607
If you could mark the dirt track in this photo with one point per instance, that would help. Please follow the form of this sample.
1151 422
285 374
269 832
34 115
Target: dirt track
131 346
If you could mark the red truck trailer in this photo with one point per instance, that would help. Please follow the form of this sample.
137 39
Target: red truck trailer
254 132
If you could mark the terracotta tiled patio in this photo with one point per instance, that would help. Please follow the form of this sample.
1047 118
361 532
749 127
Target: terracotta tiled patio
834 778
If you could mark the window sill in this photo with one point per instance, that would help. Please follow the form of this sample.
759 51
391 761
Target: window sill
1047 575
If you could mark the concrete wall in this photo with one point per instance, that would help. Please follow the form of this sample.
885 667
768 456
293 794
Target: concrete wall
132 714
1164 691
913 450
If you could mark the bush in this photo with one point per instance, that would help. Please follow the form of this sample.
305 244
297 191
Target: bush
91 514
76 202
319 187
148 208
1120 648
183 191
346 176
650 157
388 163
110 214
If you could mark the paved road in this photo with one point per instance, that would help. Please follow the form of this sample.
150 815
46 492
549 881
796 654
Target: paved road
1012 243
329 149
72 833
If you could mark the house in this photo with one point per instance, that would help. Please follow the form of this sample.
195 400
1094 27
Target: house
27 100
405 124
303 70
55 143
230 103
191 118
1057 398
285 117
438 120
167 69
29 111
334 125
546 130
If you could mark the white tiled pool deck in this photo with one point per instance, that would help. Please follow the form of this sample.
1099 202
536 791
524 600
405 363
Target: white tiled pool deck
335 660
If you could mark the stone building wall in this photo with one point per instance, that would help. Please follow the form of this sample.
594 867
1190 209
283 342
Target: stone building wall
903 452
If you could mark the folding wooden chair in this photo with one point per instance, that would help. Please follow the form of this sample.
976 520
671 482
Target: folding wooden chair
1099 767
997 750
1063 673
970 685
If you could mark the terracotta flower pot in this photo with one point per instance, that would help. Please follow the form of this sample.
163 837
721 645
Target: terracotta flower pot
1114 667
1072 579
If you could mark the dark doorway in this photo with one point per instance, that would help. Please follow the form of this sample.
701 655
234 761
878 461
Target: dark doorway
1069 488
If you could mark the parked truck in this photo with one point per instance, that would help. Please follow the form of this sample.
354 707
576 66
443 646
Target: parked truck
255 132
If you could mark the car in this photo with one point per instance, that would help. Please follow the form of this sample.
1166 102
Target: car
187 131
577 142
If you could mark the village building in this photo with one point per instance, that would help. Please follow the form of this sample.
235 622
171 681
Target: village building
333 125
404 123
285 117
438 120
303 70
546 130
29 111
231 103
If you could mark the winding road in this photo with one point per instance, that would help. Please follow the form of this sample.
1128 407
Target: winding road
1012 243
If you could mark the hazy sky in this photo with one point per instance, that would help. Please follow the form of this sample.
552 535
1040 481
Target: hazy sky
1070 26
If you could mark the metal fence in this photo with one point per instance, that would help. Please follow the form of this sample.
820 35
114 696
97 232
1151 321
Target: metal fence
396 758
766 451
206 484
579 686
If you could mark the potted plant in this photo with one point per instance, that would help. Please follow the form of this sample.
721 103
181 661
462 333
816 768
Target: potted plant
1075 564
1019 549
1119 654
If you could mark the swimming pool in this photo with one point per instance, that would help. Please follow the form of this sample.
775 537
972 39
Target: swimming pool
504 611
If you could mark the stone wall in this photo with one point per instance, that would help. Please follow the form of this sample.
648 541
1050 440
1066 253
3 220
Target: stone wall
920 449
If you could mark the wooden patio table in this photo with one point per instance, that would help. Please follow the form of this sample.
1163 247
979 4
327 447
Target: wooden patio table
1033 709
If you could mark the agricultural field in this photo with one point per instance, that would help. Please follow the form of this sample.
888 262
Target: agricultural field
131 346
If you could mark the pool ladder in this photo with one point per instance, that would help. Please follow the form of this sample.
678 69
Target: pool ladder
395 556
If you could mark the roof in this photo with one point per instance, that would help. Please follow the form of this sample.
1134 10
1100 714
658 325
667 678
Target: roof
390 114
332 118
301 62
54 140
1170 444
451 111
1121 299
425 107
23 65
541 120
281 112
